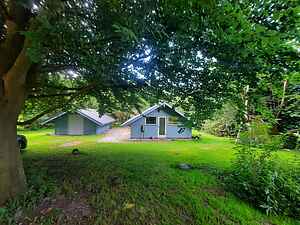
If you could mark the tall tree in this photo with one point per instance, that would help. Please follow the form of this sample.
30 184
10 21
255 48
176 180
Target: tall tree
194 53
88 40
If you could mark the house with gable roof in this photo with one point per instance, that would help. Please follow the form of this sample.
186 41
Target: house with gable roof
81 122
159 121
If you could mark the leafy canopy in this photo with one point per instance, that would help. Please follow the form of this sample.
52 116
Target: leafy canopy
195 54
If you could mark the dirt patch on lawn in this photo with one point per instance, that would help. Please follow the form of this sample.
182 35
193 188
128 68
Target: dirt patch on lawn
116 135
268 223
61 211
70 144
216 191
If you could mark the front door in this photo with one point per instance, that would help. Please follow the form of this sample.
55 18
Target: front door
162 126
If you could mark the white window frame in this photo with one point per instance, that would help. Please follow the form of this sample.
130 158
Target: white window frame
151 123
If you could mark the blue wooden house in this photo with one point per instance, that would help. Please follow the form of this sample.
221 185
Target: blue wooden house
81 122
159 121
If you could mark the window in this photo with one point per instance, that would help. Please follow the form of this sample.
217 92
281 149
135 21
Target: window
150 120
173 120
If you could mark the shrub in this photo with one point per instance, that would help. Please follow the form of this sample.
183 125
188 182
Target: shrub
196 136
257 176
291 141
39 187
257 135
223 123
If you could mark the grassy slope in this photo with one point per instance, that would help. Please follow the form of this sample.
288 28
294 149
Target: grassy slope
137 183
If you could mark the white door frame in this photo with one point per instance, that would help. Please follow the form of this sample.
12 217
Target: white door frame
159 126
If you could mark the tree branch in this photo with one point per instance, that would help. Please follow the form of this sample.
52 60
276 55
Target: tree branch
3 11
10 47
51 95
56 68
71 95
285 83
14 43
30 121
20 68
63 88
51 109
19 13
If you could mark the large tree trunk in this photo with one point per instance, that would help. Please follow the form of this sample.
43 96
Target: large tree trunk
12 97
14 67
12 177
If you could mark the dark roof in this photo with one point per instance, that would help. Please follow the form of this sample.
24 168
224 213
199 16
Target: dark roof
149 110
89 114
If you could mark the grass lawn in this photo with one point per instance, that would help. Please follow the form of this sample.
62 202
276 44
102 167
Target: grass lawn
129 183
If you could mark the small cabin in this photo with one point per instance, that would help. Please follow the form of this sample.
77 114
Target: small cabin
159 121
81 122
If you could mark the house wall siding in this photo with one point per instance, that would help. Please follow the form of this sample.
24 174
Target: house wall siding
151 131
75 124
89 127
135 129
172 131
103 129
61 125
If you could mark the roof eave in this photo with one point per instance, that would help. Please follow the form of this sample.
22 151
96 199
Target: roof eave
53 118
147 111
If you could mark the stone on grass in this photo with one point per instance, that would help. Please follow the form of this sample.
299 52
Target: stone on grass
75 151
184 166
18 215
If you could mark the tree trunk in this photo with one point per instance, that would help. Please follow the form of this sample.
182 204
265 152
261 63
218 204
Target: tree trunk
12 177
245 120
275 130
14 67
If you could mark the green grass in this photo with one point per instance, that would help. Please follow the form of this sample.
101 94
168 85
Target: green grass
137 182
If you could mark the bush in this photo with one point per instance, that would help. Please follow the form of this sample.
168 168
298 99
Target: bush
258 135
291 141
39 187
196 136
257 177
223 122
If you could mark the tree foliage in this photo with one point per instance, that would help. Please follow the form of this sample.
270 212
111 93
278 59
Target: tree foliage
197 54
224 121
258 177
